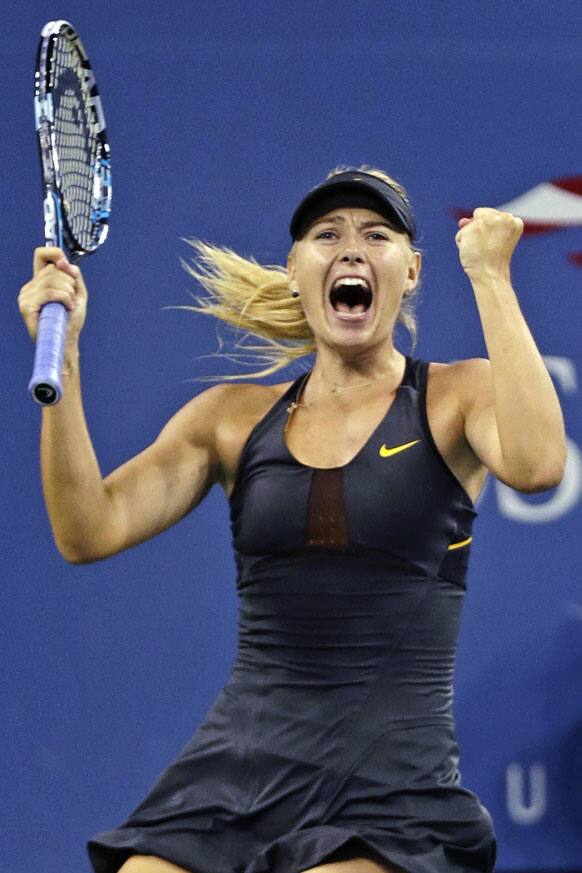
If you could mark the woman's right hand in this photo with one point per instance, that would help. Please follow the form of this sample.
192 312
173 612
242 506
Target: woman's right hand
54 280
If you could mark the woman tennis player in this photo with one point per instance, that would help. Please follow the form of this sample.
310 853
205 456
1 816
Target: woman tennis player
352 491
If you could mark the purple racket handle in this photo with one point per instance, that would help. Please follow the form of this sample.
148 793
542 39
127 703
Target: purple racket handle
45 385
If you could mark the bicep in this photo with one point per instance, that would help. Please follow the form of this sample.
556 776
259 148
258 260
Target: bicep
478 406
159 486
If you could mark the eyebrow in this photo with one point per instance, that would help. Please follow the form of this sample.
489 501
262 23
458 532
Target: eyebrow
338 219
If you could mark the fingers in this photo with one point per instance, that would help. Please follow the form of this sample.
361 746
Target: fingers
55 280
519 223
46 255
483 210
48 259
51 284
70 269
488 212
492 217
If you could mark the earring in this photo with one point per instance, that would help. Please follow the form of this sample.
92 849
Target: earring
295 293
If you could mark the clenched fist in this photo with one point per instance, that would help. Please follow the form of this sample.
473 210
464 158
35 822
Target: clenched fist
54 280
486 242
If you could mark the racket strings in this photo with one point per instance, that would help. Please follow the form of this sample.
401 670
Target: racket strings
76 145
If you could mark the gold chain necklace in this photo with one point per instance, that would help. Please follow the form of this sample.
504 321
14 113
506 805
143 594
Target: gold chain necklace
336 389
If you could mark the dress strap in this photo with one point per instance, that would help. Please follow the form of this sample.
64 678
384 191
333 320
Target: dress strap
419 382
415 374
266 428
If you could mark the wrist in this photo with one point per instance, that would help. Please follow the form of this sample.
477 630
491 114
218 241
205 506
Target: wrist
70 361
491 279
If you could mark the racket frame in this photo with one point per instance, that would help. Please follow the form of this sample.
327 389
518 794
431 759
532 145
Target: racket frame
45 385
57 228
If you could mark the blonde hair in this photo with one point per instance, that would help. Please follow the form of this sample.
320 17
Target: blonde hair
256 300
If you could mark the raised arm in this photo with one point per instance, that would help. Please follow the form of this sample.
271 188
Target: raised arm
93 517
513 419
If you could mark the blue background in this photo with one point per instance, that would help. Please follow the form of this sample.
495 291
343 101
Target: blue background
221 116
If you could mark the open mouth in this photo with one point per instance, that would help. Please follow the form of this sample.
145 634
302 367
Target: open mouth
351 296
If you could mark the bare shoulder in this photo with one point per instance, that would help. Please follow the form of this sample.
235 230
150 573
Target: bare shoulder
221 408
220 420
233 411
248 401
460 381
463 370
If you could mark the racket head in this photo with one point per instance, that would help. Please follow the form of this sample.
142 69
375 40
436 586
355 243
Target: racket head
72 138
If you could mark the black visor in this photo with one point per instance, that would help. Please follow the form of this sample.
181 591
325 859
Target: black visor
354 189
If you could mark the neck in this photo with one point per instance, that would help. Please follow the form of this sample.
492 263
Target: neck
343 372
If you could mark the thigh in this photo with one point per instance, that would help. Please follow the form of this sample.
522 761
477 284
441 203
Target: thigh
149 864
355 865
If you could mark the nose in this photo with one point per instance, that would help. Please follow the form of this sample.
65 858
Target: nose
352 254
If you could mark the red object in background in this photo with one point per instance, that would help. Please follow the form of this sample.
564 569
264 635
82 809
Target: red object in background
545 208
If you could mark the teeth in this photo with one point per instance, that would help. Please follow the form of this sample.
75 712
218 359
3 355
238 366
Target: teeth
351 280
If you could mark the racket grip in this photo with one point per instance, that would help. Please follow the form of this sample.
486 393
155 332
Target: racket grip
45 385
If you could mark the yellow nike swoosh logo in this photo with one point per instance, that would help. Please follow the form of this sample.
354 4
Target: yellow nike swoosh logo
385 452
460 545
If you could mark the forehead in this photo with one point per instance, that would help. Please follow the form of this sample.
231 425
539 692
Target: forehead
353 215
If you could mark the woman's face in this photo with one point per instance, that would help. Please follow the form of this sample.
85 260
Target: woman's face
342 247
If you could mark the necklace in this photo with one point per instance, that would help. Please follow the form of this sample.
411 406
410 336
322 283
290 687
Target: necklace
335 389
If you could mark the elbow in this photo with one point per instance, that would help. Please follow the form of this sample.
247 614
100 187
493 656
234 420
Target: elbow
73 555
538 468
542 479
85 547
77 559
534 486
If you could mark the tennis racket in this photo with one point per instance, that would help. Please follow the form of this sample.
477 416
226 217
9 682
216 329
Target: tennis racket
76 175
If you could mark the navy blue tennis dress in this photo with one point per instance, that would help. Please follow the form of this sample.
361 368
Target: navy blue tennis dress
334 736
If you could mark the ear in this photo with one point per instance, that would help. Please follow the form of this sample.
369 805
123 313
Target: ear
291 266
413 275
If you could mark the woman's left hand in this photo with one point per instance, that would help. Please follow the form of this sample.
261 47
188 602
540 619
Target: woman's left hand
486 242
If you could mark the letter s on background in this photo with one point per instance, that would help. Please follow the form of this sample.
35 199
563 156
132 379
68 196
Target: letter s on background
564 498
